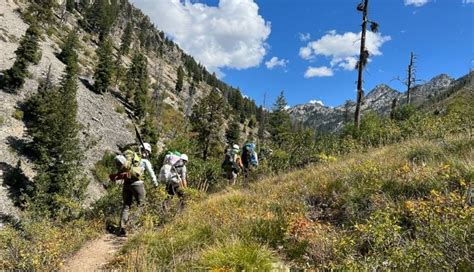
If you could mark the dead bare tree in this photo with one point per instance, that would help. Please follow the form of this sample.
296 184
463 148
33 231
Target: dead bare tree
363 56
411 77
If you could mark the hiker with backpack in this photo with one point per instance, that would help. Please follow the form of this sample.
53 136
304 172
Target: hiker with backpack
132 167
249 158
232 164
174 174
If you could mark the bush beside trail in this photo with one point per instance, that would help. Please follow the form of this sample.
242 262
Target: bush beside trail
398 207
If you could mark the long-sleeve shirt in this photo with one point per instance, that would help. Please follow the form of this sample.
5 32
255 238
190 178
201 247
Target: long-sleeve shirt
146 165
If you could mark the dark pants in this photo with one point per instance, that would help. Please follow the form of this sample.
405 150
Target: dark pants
173 189
131 191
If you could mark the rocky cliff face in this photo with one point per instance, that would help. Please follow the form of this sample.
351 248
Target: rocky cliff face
379 99
104 126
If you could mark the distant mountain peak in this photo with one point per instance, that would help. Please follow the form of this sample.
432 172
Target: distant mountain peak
379 91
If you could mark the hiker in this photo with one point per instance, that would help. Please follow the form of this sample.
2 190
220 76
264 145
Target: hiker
232 164
174 174
249 159
131 171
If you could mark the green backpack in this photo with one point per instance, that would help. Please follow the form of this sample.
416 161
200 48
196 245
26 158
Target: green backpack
132 165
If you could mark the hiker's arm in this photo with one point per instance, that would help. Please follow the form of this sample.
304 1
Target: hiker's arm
184 179
150 171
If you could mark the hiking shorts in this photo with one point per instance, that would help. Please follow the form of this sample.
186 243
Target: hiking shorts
173 188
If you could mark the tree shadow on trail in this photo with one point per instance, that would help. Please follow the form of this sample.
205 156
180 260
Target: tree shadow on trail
18 185
21 147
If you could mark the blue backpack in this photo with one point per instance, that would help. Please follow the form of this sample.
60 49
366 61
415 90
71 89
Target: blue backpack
249 155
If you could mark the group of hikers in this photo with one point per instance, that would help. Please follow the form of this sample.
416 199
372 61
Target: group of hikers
132 165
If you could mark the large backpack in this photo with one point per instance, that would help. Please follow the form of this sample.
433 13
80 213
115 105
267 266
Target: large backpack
172 157
230 162
133 165
168 171
249 155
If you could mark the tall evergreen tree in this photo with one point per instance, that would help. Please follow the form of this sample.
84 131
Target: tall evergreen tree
41 11
59 187
179 82
70 5
136 84
279 121
68 47
207 120
26 53
232 133
126 39
103 72
100 16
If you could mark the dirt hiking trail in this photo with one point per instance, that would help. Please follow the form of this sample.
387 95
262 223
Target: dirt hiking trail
94 254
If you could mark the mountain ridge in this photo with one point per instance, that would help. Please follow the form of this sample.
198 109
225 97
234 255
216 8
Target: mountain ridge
378 99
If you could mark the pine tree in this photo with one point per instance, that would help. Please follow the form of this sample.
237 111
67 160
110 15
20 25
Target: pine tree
232 134
279 121
137 84
207 120
41 11
104 70
179 82
59 187
26 53
70 5
100 17
67 49
126 39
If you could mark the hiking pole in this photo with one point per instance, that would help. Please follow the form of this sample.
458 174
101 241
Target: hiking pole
137 132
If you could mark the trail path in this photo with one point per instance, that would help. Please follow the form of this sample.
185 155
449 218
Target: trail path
94 254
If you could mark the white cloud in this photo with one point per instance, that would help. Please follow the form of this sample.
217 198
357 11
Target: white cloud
274 62
287 107
316 102
322 71
232 34
416 3
305 53
468 1
304 37
343 49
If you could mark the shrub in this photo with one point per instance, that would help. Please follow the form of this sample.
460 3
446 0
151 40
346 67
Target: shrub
237 256
120 109
18 114
41 244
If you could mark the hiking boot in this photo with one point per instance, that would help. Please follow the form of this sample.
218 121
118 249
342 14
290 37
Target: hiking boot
122 233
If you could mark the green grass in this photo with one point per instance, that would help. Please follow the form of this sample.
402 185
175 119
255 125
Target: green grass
381 209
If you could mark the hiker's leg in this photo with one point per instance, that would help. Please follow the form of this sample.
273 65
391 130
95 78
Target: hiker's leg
139 194
127 197
180 192
234 178
170 191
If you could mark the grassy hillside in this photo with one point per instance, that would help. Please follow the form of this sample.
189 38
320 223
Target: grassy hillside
402 206
398 207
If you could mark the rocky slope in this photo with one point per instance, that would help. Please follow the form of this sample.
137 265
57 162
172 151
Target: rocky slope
379 99
105 126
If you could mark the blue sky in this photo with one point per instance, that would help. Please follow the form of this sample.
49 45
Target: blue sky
238 38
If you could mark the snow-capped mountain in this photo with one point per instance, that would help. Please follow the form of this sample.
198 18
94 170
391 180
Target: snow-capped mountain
379 99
